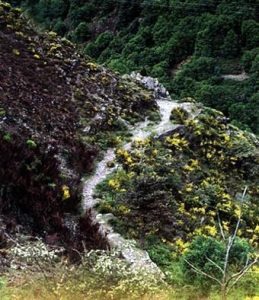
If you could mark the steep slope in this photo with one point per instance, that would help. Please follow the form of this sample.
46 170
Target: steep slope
57 108
179 182
189 45
167 178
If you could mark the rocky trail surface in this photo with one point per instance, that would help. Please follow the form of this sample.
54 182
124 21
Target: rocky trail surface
138 258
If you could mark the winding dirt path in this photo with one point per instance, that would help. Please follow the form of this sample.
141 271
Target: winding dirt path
237 77
137 257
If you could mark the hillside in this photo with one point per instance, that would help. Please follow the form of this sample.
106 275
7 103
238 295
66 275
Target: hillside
191 46
173 186
57 108
112 189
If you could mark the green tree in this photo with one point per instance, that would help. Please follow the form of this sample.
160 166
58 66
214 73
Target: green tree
250 32
230 47
222 262
81 33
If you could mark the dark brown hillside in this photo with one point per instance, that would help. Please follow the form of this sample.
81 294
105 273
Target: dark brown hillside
48 95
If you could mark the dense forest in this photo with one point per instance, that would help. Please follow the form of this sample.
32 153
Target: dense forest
191 46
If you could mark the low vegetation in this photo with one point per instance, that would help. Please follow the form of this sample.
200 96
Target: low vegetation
176 193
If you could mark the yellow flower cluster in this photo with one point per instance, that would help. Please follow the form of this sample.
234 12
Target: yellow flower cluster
66 192
124 154
225 225
198 210
198 231
256 229
226 204
192 165
181 245
254 240
237 211
92 66
181 208
114 184
138 142
189 187
177 142
36 56
210 230
124 210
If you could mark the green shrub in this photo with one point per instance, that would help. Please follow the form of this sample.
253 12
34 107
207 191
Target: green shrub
81 33
7 137
161 254
205 252
31 144
179 115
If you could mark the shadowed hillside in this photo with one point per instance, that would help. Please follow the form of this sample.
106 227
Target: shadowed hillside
53 105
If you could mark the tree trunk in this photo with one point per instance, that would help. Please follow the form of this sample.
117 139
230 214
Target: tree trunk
223 292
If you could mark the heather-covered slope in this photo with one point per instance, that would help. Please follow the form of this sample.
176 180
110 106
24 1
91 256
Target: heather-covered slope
56 109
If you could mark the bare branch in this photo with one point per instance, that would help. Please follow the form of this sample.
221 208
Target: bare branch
244 193
221 228
227 258
215 264
225 282
201 272
239 218
232 238
238 273
242 273
11 239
